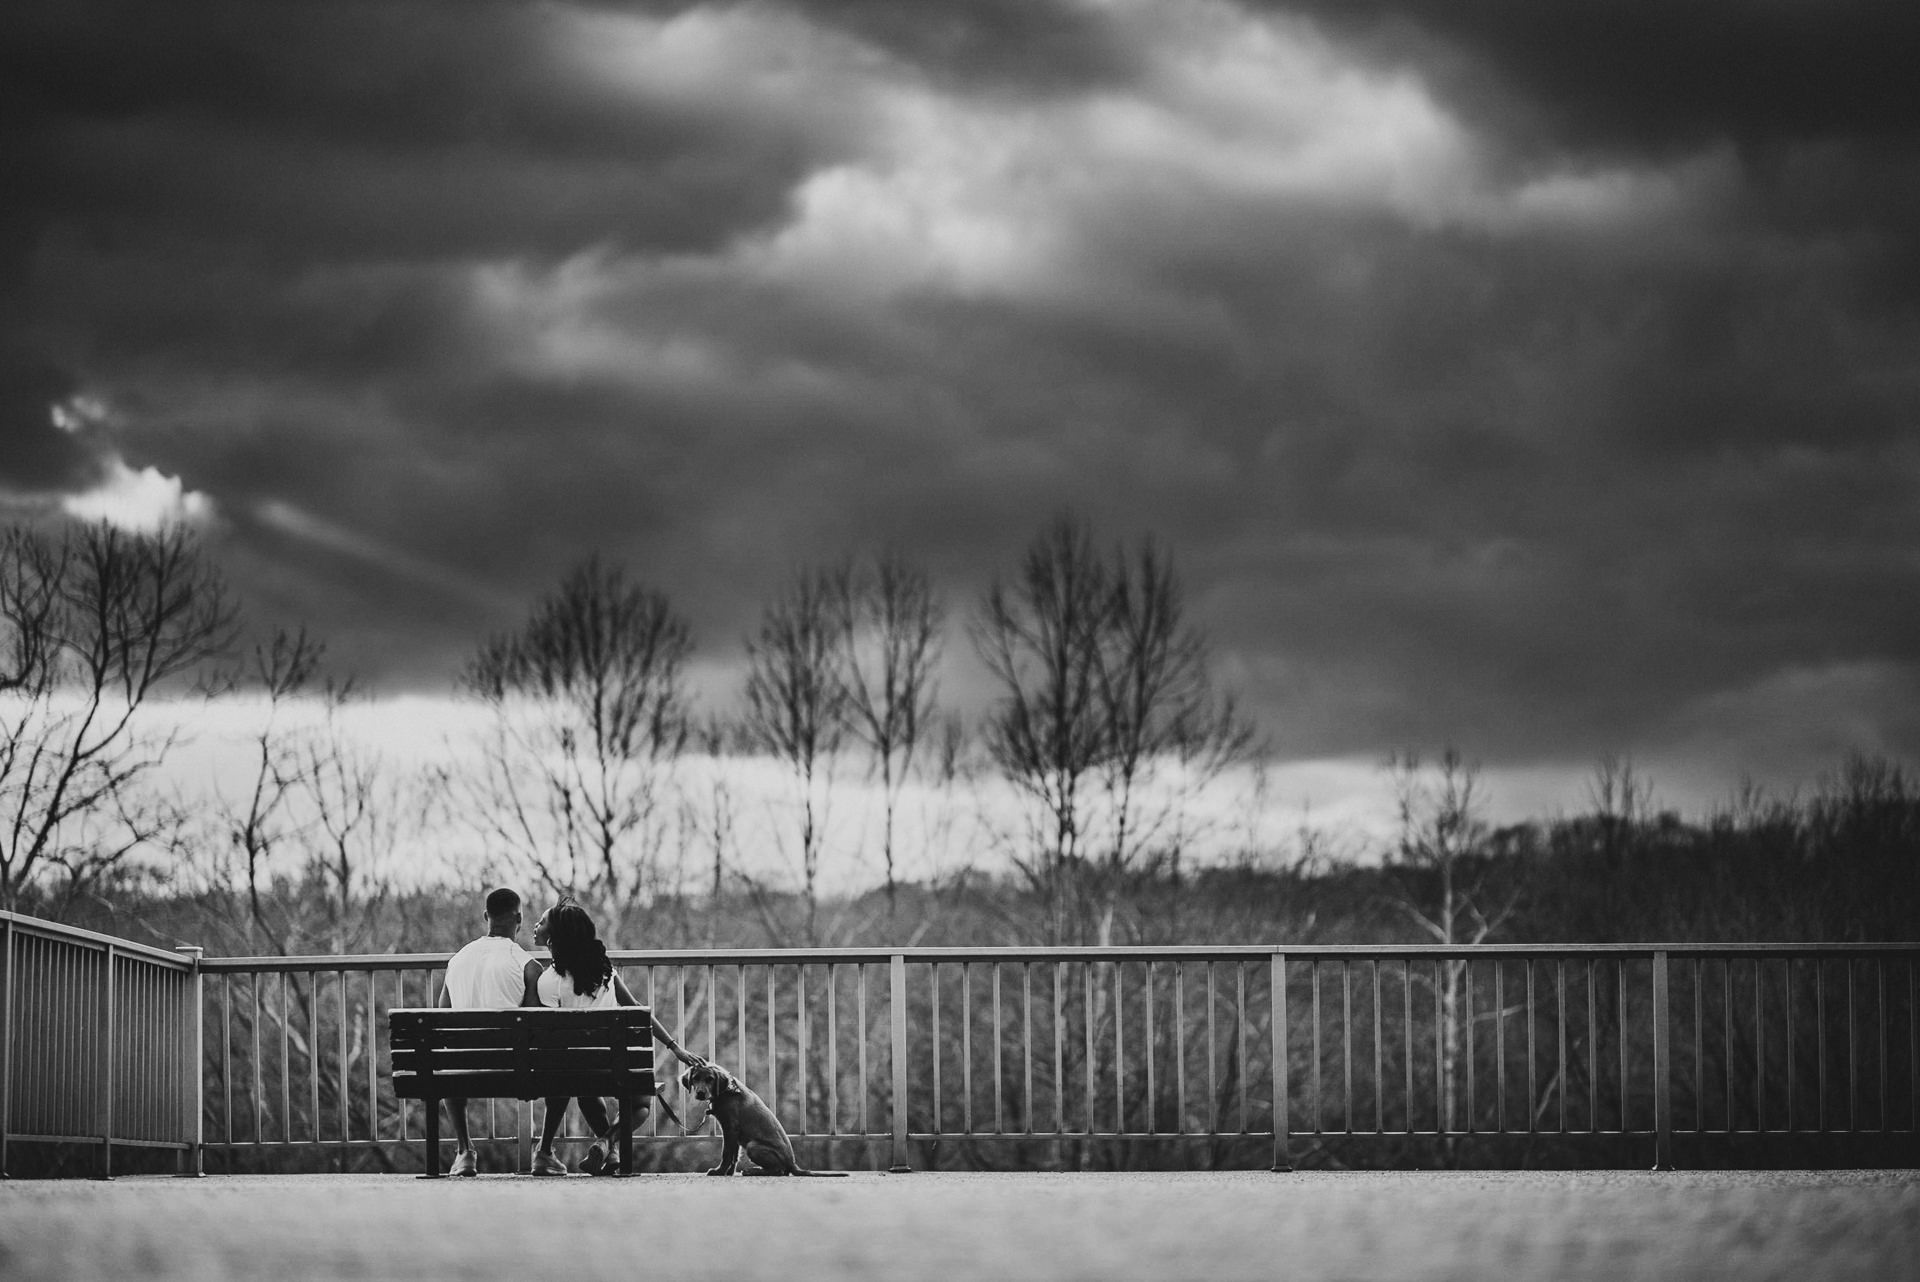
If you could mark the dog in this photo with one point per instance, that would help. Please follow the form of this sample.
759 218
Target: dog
746 1124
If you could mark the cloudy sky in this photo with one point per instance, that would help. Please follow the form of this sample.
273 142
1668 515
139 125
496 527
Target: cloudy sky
1537 377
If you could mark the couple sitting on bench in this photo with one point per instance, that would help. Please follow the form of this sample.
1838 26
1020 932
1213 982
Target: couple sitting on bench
494 973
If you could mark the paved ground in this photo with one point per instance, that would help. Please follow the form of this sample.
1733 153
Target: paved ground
1424 1225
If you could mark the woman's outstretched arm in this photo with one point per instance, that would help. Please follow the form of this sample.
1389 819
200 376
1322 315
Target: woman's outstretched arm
624 996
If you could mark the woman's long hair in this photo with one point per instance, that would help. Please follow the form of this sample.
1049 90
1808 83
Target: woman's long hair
577 950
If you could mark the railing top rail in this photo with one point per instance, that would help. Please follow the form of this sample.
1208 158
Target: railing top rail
93 939
1204 952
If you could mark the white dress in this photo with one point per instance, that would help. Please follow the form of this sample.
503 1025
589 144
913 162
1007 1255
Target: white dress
557 990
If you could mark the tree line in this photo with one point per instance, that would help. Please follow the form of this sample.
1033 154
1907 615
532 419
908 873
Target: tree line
1106 724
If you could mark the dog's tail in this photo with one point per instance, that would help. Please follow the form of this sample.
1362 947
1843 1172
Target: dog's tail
820 1175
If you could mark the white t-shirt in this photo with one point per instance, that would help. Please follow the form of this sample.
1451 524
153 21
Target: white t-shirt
488 974
557 990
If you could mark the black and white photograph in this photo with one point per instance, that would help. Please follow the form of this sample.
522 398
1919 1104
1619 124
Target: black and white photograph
1113 638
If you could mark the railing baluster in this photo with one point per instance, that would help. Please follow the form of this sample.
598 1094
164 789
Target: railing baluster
773 1037
1086 995
897 1057
1213 1076
1880 1003
1406 1002
1699 1057
1241 1021
860 1014
259 1088
226 1056
933 972
1759 1048
1820 1041
1026 1047
1346 1045
1792 1051
313 1048
1499 1046
1282 1069
1149 1044
1179 1048
1443 1085
1533 1084
1059 1058
1560 1024
1313 973
1379 1115
1853 1053
833 1052
1726 1032
1593 1050
966 1047
999 1111
1119 1056
1620 1031
1473 1058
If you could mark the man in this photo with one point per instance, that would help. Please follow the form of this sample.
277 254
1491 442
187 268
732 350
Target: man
491 973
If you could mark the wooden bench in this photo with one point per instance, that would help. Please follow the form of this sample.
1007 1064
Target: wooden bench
526 1052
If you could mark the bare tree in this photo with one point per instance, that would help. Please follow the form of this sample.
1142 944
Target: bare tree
361 808
260 819
94 623
1107 719
1160 709
797 703
1622 802
1439 853
589 718
892 626
1040 636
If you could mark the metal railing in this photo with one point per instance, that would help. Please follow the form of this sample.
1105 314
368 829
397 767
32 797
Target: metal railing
98 1042
886 1050
894 1048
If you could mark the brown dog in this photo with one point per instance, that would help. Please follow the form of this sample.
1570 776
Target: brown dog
746 1123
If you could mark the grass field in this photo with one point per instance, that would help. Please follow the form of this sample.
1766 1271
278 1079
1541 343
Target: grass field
1510 1226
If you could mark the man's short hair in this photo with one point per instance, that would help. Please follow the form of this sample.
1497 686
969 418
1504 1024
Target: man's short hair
502 900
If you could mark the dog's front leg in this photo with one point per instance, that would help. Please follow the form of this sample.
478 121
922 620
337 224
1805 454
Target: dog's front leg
729 1154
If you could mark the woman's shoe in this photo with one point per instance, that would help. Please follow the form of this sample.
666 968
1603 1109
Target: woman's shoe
467 1163
545 1163
594 1161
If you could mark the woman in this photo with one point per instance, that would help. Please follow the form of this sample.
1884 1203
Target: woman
581 977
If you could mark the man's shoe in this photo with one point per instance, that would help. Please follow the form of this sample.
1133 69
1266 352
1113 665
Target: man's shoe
467 1163
592 1163
545 1163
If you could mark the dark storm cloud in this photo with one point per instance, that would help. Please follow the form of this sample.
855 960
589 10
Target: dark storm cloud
1033 45
1645 75
1538 379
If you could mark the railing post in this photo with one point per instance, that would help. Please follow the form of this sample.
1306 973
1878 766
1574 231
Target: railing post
1282 1077
194 1161
897 967
104 1105
1662 1069
6 1036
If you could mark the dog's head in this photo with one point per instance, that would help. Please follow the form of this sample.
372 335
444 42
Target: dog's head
708 1082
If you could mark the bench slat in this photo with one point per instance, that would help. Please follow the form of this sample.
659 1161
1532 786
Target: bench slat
594 1059
536 1038
511 1085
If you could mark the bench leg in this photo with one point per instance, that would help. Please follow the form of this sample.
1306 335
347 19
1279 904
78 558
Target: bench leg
625 1126
433 1171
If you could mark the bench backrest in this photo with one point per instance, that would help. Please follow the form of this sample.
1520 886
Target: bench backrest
526 1052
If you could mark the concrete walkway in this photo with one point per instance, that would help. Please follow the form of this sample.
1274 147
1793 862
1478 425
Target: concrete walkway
1213 1226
